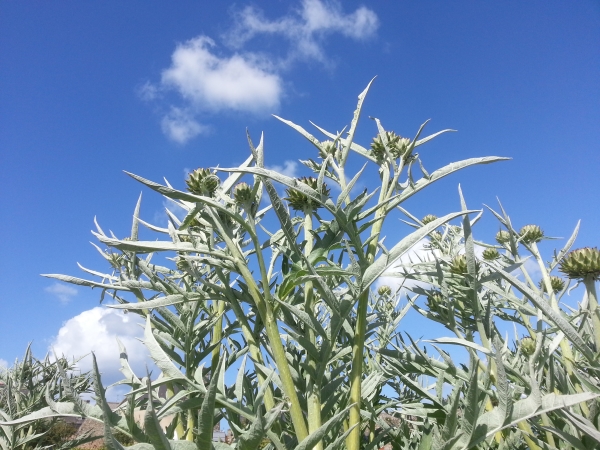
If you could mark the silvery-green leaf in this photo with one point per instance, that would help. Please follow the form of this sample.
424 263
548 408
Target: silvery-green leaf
431 136
108 416
462 342
207 411
136 216
344 195
385 262
443 172
234 177
582 424
167 300
555 317
152 426
313 140
160 358
572 440
492 422
322 431
348 141
82 282
565 249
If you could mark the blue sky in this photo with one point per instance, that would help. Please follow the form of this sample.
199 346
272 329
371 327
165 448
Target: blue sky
88 90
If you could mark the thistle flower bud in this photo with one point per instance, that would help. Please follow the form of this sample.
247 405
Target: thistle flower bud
527 345
202 182
435 303
242 194
490 254
397 146
300 201
436 236
557 283
582 263
428 219
384 290
458 265
181 264
502 237
327 148
530 234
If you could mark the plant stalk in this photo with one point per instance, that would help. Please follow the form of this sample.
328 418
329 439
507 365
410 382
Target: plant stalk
314 390
353 439
590 287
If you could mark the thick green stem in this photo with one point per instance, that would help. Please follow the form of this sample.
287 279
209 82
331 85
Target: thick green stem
253 346
590 287
217 332
263 304
564 344
353 439
313 389
266 312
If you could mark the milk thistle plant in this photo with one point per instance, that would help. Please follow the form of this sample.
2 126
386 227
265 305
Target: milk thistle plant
264 311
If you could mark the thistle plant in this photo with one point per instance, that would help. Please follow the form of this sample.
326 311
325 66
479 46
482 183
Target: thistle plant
262 311
30 385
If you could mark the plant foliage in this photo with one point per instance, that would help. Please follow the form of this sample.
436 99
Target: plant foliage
264 311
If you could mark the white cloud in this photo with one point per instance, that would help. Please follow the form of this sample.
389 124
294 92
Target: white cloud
306 28
97 330
239 82
180 126
62 292
3 364
393 277
148 91
209 81
289 168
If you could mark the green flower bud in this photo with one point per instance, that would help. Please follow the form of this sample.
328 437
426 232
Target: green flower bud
202 182
557 283
458 265
435 303
527 346
300 201
531 233
436 236
397 146
428 219
490 254
384 290
582 263
242 194
327 148
182 264
502 237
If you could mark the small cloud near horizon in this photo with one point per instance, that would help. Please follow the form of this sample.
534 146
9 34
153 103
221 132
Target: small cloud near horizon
62 292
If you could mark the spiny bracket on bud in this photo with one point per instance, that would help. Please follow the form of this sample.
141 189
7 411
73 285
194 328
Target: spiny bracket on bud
531 234
300 201
203 182
582 263
397 146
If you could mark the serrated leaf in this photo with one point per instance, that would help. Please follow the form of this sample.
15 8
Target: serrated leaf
492 422
152 425
322 431
207 411
385 262
158 355
555 317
